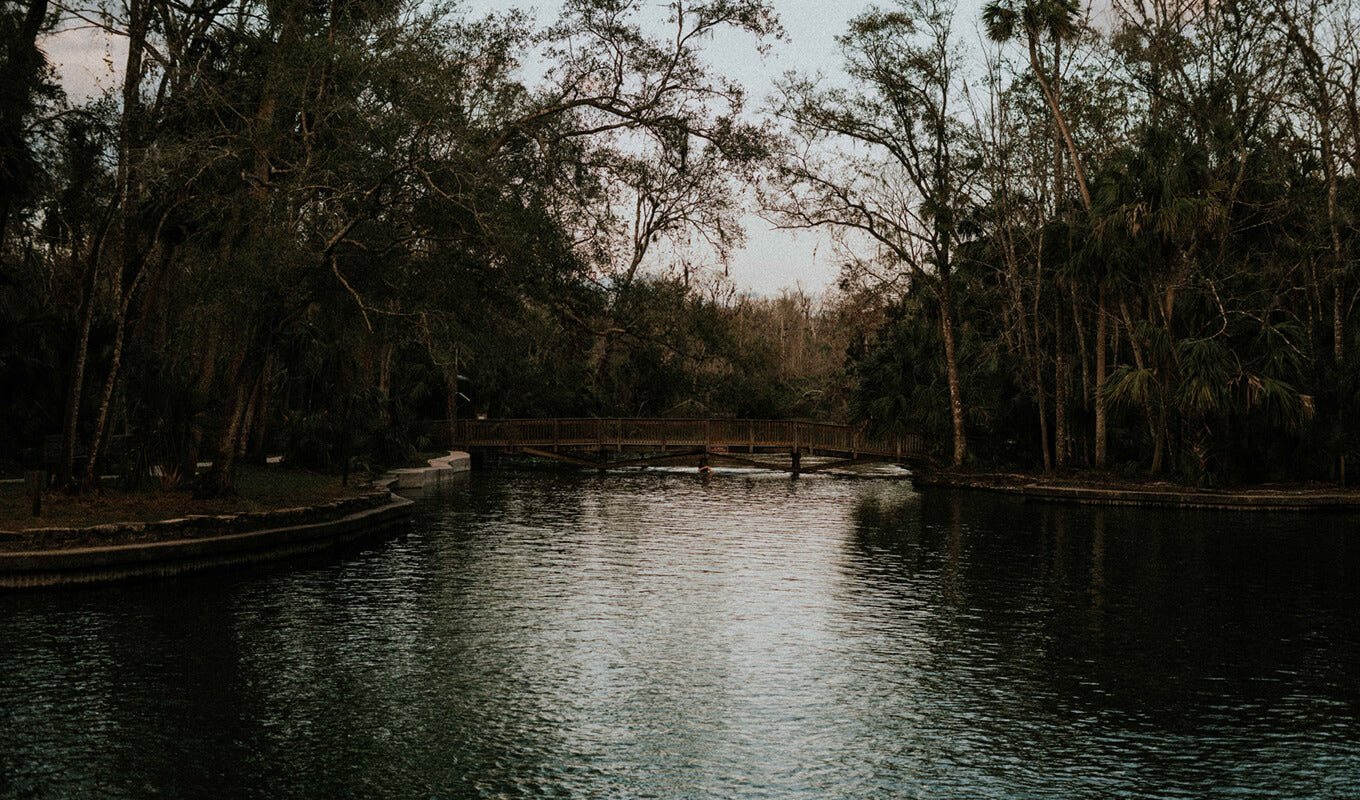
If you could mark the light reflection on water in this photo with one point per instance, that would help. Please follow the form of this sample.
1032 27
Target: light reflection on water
645 635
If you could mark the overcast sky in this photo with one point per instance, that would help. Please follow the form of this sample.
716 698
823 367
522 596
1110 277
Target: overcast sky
772 259
775 259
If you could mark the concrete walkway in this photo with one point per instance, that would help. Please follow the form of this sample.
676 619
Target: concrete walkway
440 471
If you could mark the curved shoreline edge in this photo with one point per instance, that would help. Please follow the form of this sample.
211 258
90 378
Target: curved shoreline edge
1258 500
99 564
439 471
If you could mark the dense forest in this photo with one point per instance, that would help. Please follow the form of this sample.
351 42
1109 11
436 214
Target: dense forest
1122 241
1119 240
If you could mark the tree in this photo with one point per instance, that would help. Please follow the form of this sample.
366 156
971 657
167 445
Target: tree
25 82
1056 20
891 162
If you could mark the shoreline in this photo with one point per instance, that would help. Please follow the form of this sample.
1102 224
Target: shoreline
1045 488
114 553
199 544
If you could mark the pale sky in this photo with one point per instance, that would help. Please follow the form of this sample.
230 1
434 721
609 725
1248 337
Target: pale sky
772 259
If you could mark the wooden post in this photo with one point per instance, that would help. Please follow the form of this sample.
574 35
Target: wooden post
797 461
36 479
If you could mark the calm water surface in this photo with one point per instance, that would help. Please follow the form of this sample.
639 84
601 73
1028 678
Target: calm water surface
655 635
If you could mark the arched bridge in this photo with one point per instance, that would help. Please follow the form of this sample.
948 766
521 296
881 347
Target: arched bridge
612 443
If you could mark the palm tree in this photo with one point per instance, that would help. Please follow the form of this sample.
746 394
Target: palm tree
1056 20
1036 18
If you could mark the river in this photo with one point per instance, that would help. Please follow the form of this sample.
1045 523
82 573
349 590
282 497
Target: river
547 634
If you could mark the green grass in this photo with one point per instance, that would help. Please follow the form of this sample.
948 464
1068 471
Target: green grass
258 488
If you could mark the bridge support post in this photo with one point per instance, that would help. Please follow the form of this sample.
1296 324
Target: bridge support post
604 459
797 460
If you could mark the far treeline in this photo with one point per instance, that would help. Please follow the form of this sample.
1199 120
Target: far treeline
1123 241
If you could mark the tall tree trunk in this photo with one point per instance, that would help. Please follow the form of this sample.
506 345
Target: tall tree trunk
1050 94
203 387
121 308
266 113
385 370
951 361
1060 387
128 125
1333 226
75 389
1078 449
1040 397
248 418
101 418
245 366
221 478
1079 335
1102 333
1149 413
1039 359
1325 104
262 412
1338 274
1161 435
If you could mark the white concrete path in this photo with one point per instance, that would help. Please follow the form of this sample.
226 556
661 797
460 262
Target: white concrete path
440 470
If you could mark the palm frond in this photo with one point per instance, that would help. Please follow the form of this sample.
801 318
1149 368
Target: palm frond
1130 386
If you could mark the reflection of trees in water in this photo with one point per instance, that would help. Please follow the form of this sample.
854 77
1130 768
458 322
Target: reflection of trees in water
881 520
1147 611
1097 583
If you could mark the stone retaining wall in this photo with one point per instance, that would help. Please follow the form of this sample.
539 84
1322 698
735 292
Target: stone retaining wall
192 526
1210 500
52 557
1161 498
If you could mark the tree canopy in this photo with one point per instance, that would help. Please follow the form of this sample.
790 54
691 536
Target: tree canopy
316 228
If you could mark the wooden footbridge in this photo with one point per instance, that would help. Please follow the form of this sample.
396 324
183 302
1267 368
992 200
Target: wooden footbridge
615 443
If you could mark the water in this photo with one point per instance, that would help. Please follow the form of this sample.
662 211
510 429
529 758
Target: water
751 636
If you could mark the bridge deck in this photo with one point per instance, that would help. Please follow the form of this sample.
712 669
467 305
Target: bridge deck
663 435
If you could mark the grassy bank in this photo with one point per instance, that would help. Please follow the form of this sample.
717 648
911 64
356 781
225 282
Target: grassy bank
258 488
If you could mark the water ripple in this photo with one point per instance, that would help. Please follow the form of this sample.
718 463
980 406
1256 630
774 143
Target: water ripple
748 636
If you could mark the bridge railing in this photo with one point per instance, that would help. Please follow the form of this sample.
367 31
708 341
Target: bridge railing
667 433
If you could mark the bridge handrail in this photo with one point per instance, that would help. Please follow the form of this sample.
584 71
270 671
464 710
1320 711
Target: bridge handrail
604 431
